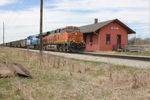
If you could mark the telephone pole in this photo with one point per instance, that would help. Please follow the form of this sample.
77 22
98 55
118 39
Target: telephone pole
41 26
3 34
149 16
41 31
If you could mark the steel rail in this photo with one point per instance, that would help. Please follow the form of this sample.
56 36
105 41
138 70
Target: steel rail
132 57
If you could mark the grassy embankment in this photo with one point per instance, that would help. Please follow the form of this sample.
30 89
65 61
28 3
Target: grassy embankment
69 79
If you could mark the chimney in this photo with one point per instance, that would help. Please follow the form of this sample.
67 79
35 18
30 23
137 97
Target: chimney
95 20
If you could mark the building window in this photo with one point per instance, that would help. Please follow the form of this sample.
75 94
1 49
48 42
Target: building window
91 39
84 37
108 39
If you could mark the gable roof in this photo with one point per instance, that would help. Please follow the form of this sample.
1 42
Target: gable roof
94 27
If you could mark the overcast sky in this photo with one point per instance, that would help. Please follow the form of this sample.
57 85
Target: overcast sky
21 17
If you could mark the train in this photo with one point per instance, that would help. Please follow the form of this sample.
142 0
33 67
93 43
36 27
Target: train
67 39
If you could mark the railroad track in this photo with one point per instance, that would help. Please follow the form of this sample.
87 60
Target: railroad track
132 57
129 57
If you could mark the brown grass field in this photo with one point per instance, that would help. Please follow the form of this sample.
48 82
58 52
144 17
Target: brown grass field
59 78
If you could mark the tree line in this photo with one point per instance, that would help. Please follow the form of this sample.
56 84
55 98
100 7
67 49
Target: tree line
139 41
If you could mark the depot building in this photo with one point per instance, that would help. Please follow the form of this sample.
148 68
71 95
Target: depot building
106 36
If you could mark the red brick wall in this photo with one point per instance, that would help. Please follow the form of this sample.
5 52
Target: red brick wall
99 41
113 32
94 45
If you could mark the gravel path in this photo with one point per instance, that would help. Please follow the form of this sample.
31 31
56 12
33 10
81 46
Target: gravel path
117 61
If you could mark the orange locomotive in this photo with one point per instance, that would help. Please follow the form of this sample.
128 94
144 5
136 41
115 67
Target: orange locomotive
67 39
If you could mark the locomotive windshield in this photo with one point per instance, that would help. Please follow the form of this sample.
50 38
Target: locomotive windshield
72 30
69 30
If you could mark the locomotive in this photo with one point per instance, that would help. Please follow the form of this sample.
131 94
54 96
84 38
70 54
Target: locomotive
66 39
33 41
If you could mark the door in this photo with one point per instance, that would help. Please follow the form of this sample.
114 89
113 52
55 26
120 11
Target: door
118 41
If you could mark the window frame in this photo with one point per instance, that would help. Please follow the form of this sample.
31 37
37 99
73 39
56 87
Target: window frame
91 39
108 39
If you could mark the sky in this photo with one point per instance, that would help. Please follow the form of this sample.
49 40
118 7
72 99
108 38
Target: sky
21 17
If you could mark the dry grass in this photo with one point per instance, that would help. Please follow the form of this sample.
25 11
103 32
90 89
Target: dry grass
68 79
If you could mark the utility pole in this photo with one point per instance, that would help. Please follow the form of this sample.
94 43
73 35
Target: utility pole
3 34
41 26
41 31
149 16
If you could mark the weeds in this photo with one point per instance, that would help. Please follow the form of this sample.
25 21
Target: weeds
140 80
120 68
70 79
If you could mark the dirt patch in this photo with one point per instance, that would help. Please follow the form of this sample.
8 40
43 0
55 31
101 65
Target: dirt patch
13 69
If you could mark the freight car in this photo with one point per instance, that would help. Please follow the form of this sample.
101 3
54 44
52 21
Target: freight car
23 43
17 44
31 42
66 39
8 44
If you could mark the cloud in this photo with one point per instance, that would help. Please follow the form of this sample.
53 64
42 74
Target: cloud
5 2
130 12
98 4
134 10
20 24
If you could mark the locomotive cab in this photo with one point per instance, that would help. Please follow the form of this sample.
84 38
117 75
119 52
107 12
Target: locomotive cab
75 38
74 34
33 41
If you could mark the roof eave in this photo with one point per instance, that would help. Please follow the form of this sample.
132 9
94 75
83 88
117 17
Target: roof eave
130 31
87 32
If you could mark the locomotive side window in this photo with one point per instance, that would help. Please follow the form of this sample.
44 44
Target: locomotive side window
37 37
59 30
62 31
108 36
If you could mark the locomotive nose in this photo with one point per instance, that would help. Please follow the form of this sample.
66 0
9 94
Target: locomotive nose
75 33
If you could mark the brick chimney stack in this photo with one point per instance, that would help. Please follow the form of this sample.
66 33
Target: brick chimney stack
95 20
